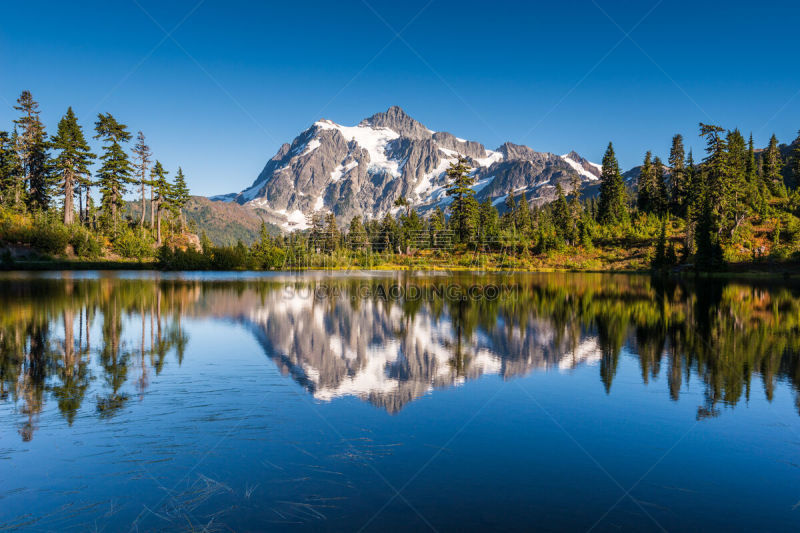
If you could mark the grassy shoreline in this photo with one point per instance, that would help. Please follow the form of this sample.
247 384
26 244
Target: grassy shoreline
736 270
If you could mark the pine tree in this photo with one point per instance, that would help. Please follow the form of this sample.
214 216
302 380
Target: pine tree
488 223
462 209
660 190
694 200
31 145
772 168
142 155
613 207
331 233
717 174
680 184
561 215
436 227
715 199
737 184
356 234
72 161
115 172
644 199
179 196
158 177
795 168
9 170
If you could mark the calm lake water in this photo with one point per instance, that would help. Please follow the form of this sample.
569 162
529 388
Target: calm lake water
394 401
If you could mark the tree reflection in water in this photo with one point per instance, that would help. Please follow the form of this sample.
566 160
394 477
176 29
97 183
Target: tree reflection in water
77 341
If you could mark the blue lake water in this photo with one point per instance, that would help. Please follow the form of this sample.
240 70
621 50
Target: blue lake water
361 401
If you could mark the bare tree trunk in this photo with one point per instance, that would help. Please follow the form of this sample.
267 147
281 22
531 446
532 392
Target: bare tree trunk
152 209
80 205
158 226
69 193
144 206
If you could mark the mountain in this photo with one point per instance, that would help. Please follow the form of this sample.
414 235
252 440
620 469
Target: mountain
224 223
363 169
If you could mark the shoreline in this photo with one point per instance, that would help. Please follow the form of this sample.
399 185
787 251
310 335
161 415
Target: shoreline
737 270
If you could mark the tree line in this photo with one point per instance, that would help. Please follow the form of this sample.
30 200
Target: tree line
44 176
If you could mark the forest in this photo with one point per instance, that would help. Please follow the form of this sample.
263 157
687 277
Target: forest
734 205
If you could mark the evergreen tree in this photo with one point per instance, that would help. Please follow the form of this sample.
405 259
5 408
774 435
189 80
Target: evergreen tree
738 185
694 200
795 168
488 223
356 234
179 196
31 146
142 155
436 228
612 208
561 215
158 177
462 209
680 183
660 201
331 240
71 162
9 170
715 199
115 171
772 168
646 185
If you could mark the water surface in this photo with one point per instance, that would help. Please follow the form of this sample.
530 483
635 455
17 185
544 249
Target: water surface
374 402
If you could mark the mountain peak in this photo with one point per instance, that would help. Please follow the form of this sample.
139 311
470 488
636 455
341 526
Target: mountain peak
398 120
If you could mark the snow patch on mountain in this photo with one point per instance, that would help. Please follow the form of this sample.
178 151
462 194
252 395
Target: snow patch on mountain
373 140
579 168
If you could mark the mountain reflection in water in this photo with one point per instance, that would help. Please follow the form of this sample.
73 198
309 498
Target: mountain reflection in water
95 341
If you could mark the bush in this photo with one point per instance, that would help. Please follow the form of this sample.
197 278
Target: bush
175 259
85 244
133 244
49 236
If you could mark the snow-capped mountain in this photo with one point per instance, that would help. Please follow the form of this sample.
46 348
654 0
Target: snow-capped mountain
363 169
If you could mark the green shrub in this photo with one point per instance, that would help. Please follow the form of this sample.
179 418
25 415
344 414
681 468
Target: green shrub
85 244
49 236
133 244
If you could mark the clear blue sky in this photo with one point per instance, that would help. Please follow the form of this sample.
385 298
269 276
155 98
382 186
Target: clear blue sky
238 78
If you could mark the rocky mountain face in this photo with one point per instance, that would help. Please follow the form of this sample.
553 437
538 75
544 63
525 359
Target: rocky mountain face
363 169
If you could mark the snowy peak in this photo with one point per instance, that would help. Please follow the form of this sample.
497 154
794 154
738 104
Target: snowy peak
361 170
397 120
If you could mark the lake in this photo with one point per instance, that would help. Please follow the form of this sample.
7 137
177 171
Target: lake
367 401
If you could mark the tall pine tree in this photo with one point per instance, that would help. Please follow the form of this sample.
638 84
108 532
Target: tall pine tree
115 173
772 168
158 177
179 196
646 192
613 207
142 155
71 162
9 170
680 183
32 148
660 192
463 207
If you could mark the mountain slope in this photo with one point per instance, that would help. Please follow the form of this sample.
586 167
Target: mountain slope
363 169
